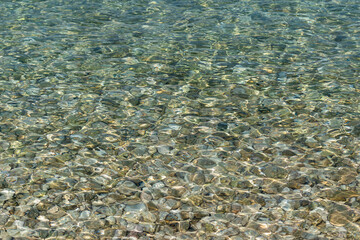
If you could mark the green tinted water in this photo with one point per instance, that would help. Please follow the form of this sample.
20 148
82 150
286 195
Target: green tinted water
152 119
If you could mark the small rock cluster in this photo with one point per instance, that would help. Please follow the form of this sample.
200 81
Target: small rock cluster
179 120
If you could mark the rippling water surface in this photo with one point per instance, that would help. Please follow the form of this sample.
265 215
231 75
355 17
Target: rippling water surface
202 119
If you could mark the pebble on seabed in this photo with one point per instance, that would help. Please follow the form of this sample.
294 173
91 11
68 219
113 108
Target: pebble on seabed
179 120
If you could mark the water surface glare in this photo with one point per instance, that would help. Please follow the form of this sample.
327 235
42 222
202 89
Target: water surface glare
192 119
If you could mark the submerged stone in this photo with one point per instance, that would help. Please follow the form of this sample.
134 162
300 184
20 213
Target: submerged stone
273 171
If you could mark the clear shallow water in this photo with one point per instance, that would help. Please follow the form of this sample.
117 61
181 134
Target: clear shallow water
139 119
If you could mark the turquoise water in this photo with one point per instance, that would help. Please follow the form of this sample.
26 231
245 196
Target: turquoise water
192 119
